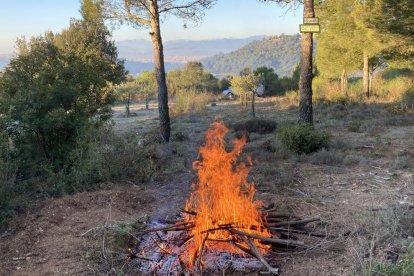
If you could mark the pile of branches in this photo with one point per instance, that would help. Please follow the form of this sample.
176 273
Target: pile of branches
284 229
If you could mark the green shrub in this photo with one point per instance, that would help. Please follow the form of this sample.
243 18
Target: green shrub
257 125
403 267
292 96
97 157
7 177
303 138
355 126
407 99
189 101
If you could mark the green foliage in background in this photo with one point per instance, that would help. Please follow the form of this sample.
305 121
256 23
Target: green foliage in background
189 101
338 29
394 19
55 96
191 77
57 88
270 80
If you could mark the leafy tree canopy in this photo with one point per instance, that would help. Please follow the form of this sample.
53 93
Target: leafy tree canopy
57 87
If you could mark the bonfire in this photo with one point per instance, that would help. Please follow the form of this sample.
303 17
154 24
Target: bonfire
222 224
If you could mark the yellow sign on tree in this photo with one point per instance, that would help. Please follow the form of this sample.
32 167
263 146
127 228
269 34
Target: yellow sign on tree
310 28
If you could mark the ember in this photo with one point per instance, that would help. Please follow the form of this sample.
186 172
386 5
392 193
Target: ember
222 224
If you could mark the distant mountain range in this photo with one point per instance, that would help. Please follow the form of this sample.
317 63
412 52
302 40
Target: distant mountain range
279 52
139 53
219 56
181 51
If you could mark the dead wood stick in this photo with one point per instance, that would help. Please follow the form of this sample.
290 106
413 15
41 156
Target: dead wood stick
182 228
242 248
179 226
269 240
20 258
200 254
258 255
160 247
272 213
297 231
219 240
273 219
193 213
135 256
294 222
224 227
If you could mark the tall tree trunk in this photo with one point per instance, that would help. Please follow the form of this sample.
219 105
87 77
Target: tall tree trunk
366 74
160 72
128 105
147 103
344 83
371 78
253 111
305 81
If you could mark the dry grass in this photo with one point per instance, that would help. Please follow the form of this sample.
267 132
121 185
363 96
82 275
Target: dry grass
362 172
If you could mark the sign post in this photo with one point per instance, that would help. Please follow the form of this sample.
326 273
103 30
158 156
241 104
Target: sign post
310 25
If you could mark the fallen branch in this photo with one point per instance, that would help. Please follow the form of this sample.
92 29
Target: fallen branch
189 212
294 222
198 262
272 214
303 232
176 227
258 255
269 240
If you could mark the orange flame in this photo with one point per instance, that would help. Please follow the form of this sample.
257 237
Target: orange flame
222 196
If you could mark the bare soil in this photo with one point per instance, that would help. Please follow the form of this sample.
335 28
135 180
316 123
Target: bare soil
54 236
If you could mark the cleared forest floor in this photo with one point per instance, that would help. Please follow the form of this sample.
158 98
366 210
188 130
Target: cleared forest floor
354 186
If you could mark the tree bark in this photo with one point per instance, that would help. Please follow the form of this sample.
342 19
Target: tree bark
147 103
164 116
366 74
128 105
305 81
344 83
253 111
371 78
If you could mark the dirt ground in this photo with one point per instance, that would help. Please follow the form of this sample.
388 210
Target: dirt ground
55 236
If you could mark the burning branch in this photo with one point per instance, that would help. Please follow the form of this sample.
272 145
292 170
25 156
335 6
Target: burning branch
222 215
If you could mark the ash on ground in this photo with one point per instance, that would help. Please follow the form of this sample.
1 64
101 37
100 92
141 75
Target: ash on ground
161 253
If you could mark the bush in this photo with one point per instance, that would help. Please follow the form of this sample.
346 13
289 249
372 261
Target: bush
189 101
399 220
292 96
355 126
303 138
407 99
403 267
97 157
261 126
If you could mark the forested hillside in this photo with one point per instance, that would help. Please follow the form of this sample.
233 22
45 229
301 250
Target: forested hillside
181 51
278 52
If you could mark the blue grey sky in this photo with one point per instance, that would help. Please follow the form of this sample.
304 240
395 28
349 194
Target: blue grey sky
227 19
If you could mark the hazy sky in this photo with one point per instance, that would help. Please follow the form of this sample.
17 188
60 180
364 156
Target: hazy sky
228 18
